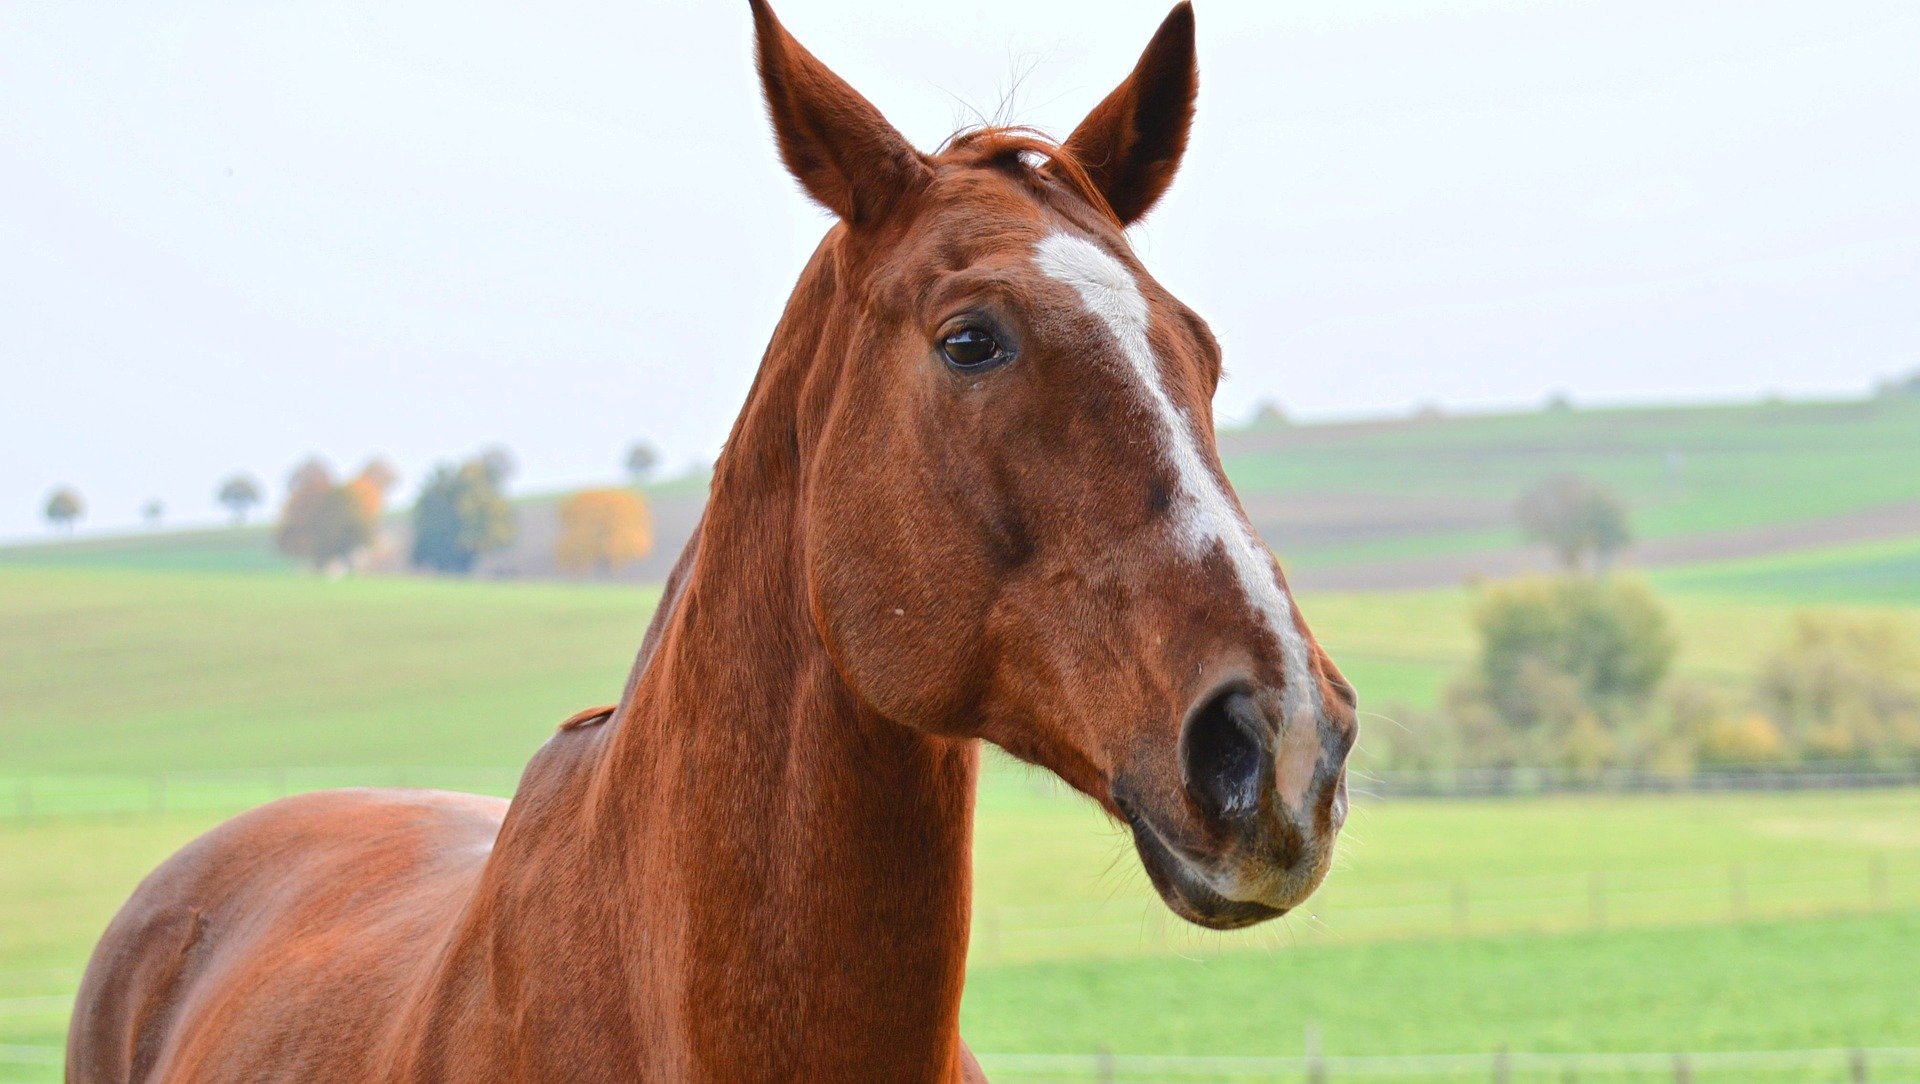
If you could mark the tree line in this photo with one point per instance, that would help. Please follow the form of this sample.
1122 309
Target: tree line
460 515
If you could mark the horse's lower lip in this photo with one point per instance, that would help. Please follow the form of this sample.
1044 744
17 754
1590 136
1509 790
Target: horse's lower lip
1183 890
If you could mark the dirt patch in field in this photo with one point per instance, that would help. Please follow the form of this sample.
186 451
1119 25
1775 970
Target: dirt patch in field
1331 519
1890 521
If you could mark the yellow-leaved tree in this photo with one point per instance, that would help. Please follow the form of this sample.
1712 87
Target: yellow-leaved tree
603 530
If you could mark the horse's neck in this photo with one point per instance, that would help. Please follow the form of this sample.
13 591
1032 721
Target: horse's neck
778 877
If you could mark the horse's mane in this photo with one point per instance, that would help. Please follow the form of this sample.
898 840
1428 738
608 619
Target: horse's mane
1031 155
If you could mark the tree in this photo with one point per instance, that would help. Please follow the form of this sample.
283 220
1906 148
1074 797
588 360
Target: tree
369 489
1582 521
323 523
311 472
641 461
1566 666
1899 386
64 508
379 474
239 493
602 530
460 515
1611 638
153 511
1845 686
498 461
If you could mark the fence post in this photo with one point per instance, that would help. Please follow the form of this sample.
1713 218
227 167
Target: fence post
1737 891
1877 881
1682 1072
1597 899
1460 908
1502 1066
1857 1066
1316 1065
1103 1066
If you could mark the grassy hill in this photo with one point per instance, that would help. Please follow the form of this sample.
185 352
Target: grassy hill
1342 503
1873 573
1414 502
217 549
1686 470
122 670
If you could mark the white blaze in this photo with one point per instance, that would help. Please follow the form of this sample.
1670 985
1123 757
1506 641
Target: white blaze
1203 514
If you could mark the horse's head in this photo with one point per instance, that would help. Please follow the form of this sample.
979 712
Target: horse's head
1014 521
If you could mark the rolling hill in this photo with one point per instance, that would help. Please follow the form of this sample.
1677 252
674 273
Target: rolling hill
1410 503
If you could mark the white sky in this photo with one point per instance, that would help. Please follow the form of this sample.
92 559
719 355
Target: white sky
233 234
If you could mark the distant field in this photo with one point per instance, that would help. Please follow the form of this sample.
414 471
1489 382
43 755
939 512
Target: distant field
1685 470
120 672
1870 573
124 671
218 549
1412 502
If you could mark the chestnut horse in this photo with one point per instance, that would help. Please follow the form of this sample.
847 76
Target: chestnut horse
973 495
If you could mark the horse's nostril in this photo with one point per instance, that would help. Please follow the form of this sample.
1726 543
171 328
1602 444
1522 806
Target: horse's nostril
1224 759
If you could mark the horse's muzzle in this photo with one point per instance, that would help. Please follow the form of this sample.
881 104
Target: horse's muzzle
1259 808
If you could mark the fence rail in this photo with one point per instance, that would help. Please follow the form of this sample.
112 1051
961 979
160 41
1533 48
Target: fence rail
1532 782
1856 1064
30 797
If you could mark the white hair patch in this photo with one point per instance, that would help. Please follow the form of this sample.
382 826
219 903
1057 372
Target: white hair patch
1203 515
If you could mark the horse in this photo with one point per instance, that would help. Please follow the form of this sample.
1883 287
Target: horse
973 496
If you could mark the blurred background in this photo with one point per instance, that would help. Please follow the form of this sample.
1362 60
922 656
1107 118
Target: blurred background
364 364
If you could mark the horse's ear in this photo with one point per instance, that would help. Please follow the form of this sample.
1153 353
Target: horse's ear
1132 142
843 152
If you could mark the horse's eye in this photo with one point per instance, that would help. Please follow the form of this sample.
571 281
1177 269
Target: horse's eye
970 348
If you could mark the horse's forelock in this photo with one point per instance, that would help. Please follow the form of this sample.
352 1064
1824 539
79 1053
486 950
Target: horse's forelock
1014 148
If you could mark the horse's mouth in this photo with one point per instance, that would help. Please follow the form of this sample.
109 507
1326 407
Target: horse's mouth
1184 888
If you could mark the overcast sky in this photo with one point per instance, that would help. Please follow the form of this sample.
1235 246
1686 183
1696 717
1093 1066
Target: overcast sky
233 234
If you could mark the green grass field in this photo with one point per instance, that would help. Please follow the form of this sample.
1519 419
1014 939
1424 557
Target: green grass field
123 671
1772 985
220 549
1072 956
1685 470
1593 923
114 671
1868 573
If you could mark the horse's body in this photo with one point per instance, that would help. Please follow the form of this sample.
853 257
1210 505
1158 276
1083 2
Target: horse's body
387 935
926 530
